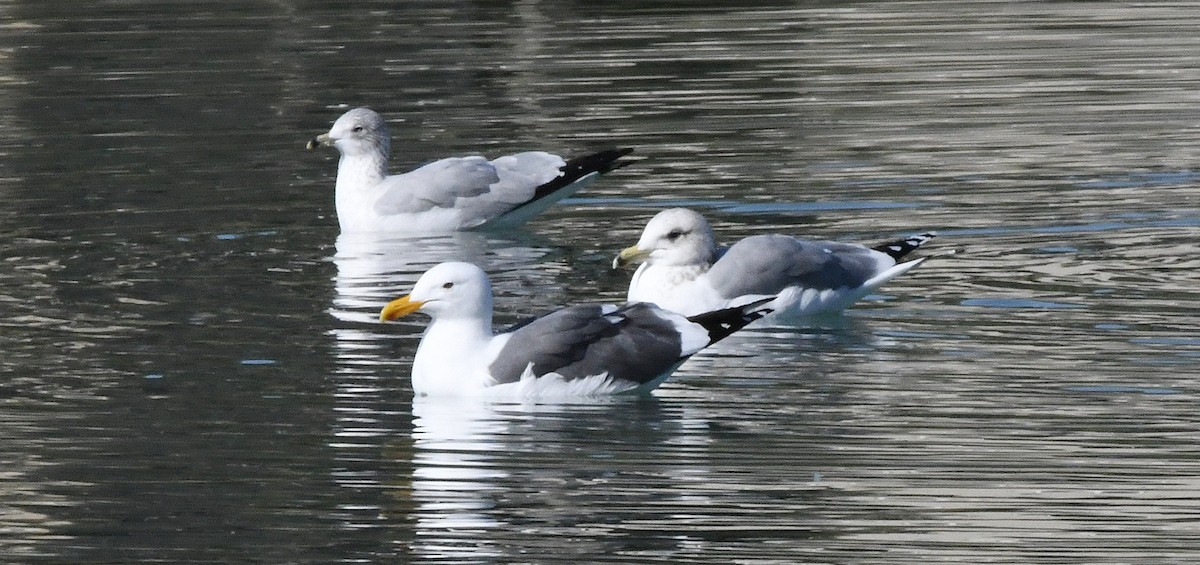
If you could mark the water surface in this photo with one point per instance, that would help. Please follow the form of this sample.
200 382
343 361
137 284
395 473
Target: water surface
193 371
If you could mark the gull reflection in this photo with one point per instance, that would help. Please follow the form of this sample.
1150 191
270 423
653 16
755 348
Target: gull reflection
487 475
455 446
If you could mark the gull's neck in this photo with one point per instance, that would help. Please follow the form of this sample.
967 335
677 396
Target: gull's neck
450 359
361 171
661 284
358 178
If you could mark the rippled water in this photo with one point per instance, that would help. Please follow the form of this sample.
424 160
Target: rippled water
193 373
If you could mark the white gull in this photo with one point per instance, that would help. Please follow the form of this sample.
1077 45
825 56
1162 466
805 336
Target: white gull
456 193
583 350
684 271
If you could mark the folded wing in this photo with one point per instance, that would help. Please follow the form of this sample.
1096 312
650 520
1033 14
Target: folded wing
635 342
767 264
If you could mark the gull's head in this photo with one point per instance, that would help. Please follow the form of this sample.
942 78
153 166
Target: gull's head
448 290
360 131
673 237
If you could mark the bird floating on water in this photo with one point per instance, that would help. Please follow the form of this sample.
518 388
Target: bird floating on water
682 269
452 194
583 350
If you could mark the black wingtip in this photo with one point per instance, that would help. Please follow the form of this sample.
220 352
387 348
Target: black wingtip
576 168
901 247
601 162
722 323
565 185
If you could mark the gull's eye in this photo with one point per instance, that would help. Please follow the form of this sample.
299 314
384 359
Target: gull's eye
448 285
675 234
358 129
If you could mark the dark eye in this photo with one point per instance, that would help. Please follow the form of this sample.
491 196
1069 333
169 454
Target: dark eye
358 129
675 234
448 285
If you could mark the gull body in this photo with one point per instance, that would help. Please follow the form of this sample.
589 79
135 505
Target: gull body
583 350
683 270
456 193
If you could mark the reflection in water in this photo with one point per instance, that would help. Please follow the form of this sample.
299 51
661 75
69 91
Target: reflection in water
456 448
487 476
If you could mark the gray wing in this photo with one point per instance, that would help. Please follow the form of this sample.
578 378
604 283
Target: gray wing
631 343
766 264
521 174
437 185
478 188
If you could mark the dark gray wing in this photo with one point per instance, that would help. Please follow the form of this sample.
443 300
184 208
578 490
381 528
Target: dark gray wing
766 264
631 343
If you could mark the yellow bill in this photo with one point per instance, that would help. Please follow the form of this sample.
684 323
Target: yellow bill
630 255
399 308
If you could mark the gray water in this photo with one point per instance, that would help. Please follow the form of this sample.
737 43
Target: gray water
192 372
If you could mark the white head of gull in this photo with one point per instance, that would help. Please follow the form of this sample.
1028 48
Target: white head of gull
456 193
683 270
583 350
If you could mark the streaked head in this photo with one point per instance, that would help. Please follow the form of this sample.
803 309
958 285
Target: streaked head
673 237
447 290
359 131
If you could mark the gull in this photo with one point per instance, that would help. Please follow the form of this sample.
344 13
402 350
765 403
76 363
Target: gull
582 350
684 271
452 194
